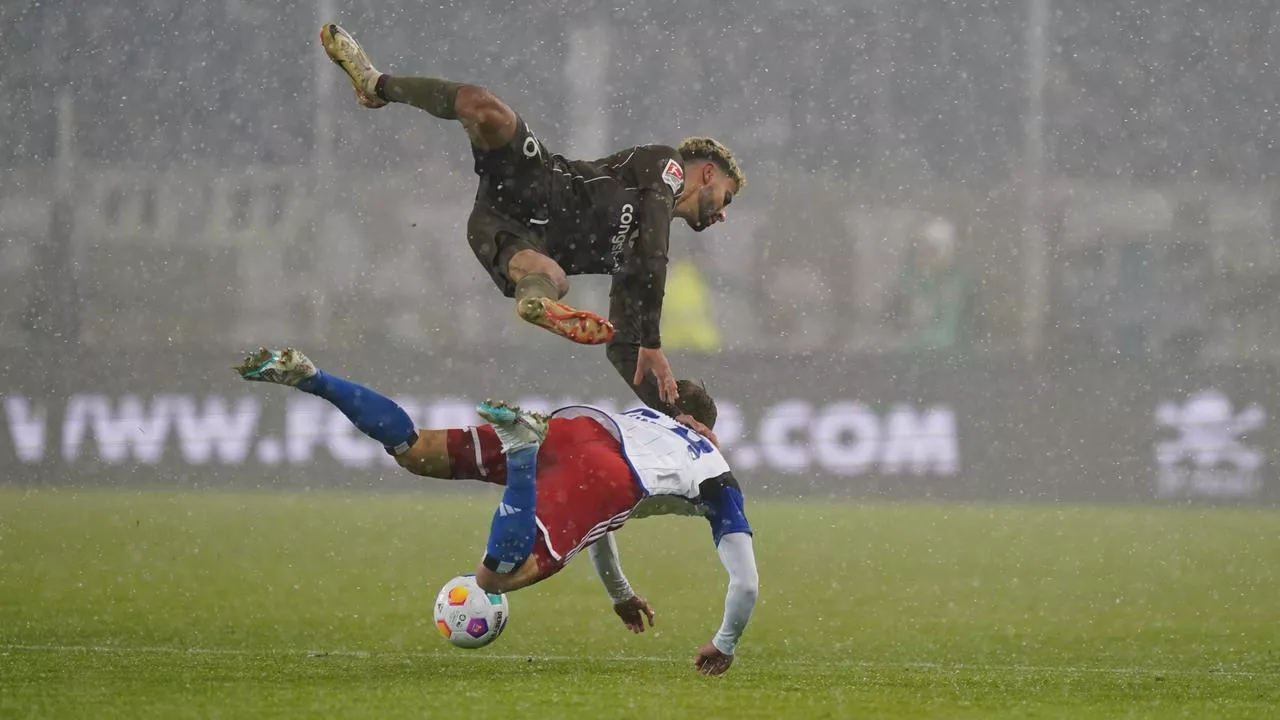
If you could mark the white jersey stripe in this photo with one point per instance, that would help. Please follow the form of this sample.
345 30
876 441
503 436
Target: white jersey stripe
596 532
586 179
475 445
624 162
546 536
599 531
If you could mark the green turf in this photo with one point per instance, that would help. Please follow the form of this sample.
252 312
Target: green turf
127 604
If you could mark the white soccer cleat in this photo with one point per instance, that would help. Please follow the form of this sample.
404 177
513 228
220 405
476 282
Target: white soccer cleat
343 49
283 367
516 428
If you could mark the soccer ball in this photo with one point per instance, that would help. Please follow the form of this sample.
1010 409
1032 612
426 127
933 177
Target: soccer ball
467 616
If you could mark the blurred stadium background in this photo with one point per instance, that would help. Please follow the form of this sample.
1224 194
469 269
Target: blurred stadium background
990 248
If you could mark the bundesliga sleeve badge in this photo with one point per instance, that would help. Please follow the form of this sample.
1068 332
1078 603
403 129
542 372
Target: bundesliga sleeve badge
673 176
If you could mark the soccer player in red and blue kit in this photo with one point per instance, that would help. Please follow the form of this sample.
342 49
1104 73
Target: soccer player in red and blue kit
569 481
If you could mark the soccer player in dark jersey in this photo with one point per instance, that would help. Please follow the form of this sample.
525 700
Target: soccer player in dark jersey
539 217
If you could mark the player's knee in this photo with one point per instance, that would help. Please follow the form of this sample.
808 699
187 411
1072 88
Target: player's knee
531 262
428 456
477 105
411 462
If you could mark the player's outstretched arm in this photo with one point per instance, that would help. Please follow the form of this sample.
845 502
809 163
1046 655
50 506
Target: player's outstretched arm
624 352
632 608
638 291
726 511
738 555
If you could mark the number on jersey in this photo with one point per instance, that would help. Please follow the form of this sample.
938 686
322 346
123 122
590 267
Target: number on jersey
698 445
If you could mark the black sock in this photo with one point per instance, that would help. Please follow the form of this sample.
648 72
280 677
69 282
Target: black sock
434 95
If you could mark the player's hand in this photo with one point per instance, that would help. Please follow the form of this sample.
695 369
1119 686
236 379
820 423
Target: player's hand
652 360
703 430
633 612
710 661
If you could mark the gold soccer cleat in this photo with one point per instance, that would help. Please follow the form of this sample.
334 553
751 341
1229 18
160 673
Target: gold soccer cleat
347 53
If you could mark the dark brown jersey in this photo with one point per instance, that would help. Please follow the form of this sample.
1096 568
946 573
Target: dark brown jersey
612 216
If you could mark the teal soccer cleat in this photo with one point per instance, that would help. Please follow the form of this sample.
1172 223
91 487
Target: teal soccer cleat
516 428
282 367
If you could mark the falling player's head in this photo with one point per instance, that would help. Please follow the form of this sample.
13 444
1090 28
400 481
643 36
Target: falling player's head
695 402
711 179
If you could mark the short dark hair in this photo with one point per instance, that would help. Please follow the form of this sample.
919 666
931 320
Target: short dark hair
696 402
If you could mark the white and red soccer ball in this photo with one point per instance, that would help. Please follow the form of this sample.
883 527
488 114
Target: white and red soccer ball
467 616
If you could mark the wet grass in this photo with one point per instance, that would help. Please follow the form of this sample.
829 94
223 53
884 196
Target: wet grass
140 604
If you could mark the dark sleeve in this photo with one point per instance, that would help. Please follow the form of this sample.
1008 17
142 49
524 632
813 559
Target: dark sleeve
623 351
726 508
658 168
639 288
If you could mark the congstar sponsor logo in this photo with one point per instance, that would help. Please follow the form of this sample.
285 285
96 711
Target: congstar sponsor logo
618 244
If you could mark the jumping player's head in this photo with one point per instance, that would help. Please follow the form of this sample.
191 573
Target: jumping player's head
711 180
696 403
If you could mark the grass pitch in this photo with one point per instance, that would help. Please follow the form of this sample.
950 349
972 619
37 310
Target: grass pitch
152 604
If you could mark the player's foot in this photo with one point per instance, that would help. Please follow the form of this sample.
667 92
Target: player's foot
283 367
580 326
347 53
516 428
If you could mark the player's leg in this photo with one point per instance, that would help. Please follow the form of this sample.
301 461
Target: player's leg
536 276
584 488
431 456
470 453
373 414
489 122
514 528
530 572
461 454
513 253
508 156
540 283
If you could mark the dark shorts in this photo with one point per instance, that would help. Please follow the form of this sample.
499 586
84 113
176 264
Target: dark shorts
513 203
